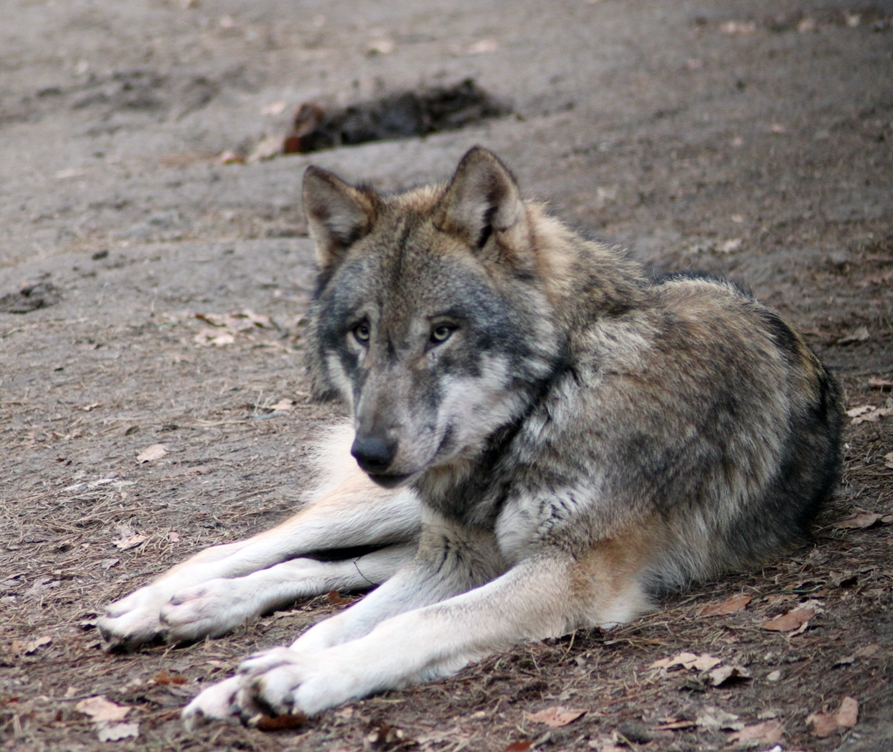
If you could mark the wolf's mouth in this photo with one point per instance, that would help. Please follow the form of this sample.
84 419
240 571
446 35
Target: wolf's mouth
389 480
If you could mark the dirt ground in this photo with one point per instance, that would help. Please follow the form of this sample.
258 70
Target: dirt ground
751 139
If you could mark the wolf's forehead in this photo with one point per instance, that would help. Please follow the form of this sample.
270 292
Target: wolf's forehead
410 250
411 278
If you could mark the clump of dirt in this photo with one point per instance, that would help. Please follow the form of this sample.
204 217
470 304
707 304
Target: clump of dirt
402 114
29 298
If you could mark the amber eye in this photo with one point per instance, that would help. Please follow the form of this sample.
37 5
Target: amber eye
361 332
441 333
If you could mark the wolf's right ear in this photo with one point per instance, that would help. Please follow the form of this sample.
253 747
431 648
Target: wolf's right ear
338 215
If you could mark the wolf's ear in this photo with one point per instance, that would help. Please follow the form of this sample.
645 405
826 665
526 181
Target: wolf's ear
338 214
482 200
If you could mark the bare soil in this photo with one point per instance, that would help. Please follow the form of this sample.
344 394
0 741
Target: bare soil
751 139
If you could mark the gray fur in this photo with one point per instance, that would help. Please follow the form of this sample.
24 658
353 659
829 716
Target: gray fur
553 435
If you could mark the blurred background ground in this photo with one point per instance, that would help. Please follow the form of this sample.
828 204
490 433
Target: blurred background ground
751 139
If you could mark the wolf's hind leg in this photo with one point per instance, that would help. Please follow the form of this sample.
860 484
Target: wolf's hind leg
217 606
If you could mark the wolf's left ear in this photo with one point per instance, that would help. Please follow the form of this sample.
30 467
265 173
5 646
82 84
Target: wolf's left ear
483 200
338 214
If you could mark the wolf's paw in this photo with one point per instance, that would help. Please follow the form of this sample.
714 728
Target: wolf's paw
164 611
207 610
216 703
134 620
282 681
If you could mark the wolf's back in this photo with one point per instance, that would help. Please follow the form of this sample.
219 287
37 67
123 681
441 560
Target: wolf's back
703 414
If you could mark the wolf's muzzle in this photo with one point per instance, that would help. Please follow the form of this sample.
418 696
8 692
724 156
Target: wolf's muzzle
373 453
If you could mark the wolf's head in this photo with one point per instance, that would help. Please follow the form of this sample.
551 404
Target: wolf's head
433 318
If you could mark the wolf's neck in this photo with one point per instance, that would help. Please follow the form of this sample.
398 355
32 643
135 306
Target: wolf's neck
473 490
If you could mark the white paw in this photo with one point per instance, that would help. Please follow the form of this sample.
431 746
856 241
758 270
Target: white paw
217 702
207 610
283 681
164 611
134 620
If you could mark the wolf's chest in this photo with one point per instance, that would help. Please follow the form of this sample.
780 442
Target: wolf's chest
526 522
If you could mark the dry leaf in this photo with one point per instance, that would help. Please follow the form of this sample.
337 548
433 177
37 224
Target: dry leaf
729 606
846 716
715 718
730 246
35 645
798 618
873 415
207 336
877 383
606 744
888 460
855 412
230 157
859 521
132 542
29 648
336 599
857 335
224 327
868 650
152 453
265 149
725 673
733 28
39 588
483 47
676 725
274 108
284 405
518 746
848 713
381 46
165 677
113 732
386 735
279 722
557 716
255 319
240 321
703 662
102 710
768 732
822 724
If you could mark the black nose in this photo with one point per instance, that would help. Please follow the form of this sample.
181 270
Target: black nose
373 453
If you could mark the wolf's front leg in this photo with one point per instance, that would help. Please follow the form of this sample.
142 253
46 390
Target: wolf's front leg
203 596
450 561
217 606
541 597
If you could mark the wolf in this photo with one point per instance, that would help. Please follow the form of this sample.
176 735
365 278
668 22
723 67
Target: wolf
544 438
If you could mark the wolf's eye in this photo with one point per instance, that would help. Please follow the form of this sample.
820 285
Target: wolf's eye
441 333
361 332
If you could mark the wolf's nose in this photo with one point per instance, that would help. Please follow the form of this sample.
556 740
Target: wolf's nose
373 454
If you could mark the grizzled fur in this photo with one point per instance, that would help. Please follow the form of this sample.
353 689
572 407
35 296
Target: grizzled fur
543 438
681 397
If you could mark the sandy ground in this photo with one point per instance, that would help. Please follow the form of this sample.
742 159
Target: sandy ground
751 139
